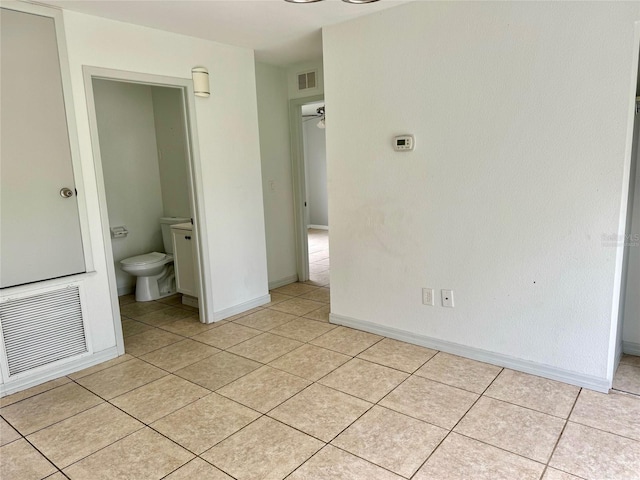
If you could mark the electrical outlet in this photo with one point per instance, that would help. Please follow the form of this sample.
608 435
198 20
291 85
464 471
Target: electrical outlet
447 298
427 296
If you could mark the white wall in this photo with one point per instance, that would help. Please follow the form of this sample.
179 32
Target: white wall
517 174
273 117
130 165
228 146
171 151
631 323
315 157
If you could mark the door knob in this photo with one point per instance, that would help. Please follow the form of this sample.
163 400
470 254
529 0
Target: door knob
66 192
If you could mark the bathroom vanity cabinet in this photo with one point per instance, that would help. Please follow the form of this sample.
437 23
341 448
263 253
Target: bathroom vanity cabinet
184 260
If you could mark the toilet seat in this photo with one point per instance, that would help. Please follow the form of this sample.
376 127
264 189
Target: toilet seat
148 259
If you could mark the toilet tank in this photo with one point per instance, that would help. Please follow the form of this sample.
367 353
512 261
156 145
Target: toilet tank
165 225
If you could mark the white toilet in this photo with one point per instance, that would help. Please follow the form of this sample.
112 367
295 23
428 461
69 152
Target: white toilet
154 271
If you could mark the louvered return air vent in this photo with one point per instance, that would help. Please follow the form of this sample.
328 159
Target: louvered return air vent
41 329
307 80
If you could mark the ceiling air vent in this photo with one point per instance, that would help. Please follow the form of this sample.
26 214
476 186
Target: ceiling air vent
41 329
307 80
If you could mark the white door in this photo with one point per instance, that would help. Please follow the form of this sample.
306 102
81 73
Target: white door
39 222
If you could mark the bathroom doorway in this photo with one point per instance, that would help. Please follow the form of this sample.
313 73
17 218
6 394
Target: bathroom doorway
145 149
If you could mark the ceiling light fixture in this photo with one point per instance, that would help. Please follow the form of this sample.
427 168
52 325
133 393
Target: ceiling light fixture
321 114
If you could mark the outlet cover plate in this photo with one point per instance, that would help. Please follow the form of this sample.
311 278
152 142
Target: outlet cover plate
427 296
447 298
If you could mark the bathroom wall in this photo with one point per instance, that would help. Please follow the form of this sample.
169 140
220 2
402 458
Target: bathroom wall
128 147
172 150
315 158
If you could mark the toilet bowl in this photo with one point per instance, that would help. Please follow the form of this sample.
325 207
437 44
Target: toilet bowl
154 274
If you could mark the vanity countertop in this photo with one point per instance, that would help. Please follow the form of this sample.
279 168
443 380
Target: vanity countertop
182 226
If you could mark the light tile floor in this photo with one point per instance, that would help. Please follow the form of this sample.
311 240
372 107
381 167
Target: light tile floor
319 264
270 395
627 378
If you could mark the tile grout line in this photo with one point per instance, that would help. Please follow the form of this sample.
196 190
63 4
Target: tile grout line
35 394
566 422
459 420
216 443
525 407
104 400
603 431
555 446
200 458
75 415
58 421
308 379
372 404
145 425
268 331
58 469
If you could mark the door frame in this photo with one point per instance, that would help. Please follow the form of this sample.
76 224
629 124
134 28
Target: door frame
617 309
194 176
298 173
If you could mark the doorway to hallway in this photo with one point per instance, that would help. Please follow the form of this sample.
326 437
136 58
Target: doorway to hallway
309 171
319 263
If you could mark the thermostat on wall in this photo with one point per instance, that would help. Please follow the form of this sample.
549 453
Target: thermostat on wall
403 143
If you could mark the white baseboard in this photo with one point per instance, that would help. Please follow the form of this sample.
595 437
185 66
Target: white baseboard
283 281
318 227
541 370
190 301
53 371
243 307
631 348
126 290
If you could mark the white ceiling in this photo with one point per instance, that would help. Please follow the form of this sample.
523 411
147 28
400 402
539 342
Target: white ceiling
281 33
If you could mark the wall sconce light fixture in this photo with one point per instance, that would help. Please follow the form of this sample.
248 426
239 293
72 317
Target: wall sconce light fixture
200 77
